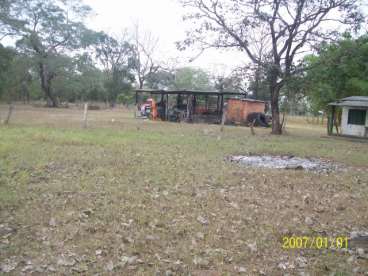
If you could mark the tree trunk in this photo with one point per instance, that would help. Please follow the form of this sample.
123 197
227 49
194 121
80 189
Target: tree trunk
257 81
275 93
25 92
141 82
46 78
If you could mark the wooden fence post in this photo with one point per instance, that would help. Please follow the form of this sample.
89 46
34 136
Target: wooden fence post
85 115
223 119
10 111
252 127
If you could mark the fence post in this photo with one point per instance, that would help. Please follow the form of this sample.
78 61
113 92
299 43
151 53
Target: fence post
85 113
223 119
10 111
252 127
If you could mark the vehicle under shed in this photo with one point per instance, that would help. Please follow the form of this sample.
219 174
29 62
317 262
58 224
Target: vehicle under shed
184 105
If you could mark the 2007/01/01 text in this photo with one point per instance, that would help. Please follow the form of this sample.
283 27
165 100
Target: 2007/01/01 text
318 242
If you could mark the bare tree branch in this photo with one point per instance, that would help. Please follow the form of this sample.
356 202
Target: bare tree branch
290 26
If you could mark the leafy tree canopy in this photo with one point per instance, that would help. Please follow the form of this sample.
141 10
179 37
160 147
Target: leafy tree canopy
192 79
340 70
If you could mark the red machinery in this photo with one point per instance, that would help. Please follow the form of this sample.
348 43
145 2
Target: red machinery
149 109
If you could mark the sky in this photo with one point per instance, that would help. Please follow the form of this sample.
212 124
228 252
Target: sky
163 18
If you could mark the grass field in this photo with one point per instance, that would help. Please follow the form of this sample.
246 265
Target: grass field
134 197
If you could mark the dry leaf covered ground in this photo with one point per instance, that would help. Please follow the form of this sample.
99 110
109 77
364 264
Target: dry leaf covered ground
134 197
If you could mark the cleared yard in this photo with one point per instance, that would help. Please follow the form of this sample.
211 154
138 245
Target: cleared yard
134 197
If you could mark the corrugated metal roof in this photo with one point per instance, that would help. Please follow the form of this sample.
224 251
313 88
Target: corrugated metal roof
247 100
355 101
350 103
187 92
356 98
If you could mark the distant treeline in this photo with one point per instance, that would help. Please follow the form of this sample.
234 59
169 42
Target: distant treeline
56 58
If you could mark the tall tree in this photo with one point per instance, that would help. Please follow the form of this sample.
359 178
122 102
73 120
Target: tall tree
9 24
15 75
49 28
117 58
7 56
161 79
192 78
165 76
287 27
145 44
234 81
340 70
258 84
90 79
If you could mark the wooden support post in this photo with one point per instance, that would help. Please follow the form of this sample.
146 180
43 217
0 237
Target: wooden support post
223 119
187 119
136 105
194 104
330 121
167 107
252 127
163 117
283 121
85 113
337 128
334 117
222 105
10 111
191 108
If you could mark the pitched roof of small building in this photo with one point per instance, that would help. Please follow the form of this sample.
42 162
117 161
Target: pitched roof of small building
188 92
354 101
247 100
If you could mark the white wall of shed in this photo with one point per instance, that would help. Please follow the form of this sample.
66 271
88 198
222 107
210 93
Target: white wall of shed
354 130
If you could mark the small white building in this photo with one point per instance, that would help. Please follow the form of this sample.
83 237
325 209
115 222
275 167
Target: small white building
354 117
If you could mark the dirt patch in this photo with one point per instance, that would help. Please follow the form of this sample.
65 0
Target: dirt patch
285 162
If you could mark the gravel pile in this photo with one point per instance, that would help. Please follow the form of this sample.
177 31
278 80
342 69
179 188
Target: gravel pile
285 162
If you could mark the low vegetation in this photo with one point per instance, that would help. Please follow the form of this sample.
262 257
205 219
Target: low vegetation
136 197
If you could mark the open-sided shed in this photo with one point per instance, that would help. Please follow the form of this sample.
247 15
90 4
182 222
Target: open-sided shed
187 105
